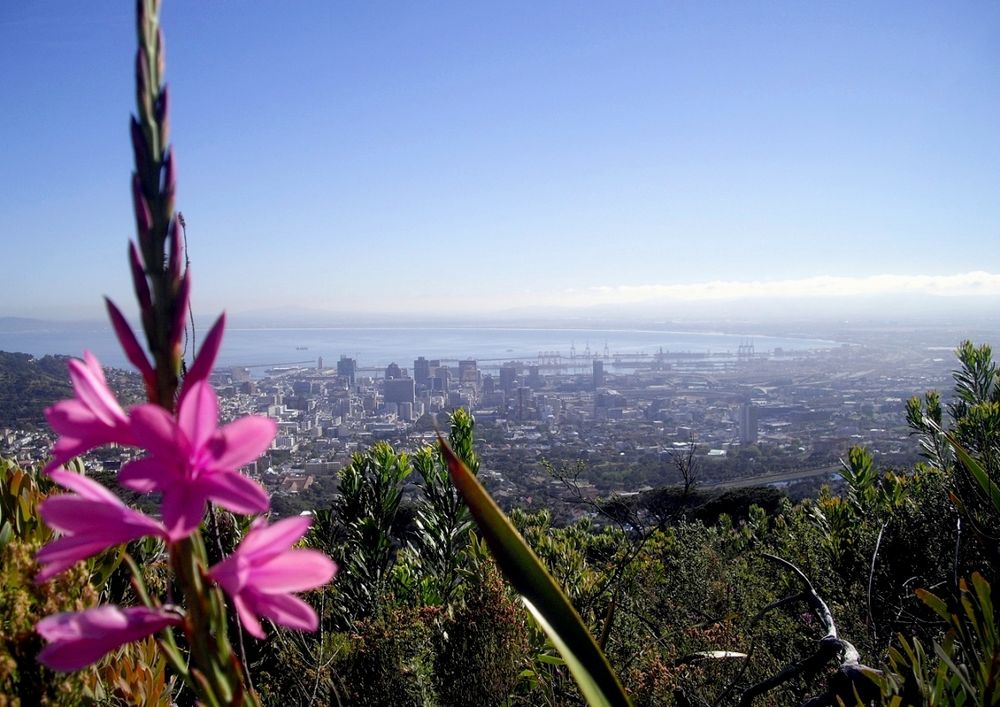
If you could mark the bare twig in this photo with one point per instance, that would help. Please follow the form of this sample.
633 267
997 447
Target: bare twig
852 678
871 578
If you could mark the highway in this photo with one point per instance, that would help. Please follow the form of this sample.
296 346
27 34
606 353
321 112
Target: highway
766 479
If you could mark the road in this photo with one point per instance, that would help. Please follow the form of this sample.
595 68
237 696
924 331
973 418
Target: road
766 479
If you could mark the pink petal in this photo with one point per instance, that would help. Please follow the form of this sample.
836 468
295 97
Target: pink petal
249 619
293 571
69 513
85 487
65 449
133 351
242 441
75 640
232 573
267 542
92 390
203 363
285 610
93 519
183 508
116 522
155 430
72 417
235 492
199 414
63 553
149 474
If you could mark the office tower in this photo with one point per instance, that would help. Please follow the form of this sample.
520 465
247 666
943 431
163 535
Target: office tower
399 390
598 374
748 423
468 373
347 368
422 372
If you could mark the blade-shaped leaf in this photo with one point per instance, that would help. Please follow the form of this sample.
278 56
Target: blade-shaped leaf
978 473
539 591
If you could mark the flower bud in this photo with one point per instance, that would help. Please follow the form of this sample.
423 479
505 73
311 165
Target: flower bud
143 216
161 55
139 281
142 84
140 148
176 240
180 313
163 115
169 182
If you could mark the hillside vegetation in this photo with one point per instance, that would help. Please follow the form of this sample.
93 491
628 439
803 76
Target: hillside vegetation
28 385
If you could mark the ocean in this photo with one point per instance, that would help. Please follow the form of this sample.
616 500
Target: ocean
378 346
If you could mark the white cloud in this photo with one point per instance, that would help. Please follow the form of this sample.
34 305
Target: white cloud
976 283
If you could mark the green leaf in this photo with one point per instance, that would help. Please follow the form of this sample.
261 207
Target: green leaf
539 591
978 473
550 659
934 602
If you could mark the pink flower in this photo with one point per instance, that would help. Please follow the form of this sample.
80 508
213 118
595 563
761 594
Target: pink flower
90 419
78 639
91 519
262 572
191 461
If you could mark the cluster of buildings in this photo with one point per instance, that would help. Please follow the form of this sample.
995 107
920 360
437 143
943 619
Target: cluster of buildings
749 415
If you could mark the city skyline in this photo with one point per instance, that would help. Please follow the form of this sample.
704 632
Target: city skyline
390 159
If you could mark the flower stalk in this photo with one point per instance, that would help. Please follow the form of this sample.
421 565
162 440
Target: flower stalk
160 284
190 461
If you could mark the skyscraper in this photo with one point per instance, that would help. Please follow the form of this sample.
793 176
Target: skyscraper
748 423
468 372
422 372
347 368
598 374
508 377
399 390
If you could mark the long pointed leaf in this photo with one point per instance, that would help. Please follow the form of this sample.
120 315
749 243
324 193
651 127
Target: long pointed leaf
539 591
978 473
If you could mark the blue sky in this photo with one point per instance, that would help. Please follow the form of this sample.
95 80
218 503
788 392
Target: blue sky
426 157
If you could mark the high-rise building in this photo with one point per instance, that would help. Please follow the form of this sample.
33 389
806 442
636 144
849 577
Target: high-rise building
468 373
748 423
440 377
598 374
393 371
399 390
422 372
508 377
347 368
